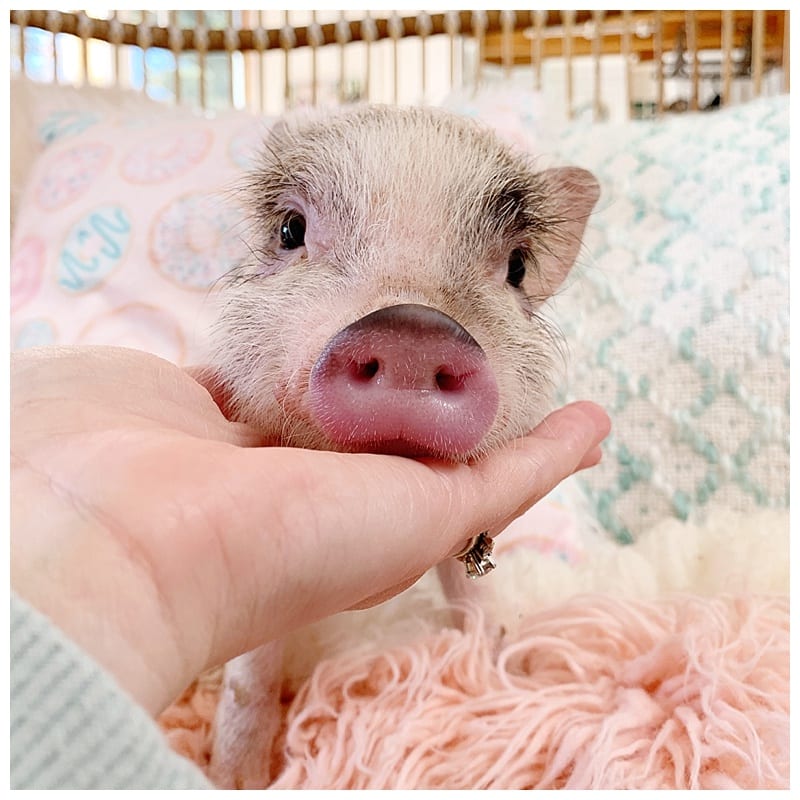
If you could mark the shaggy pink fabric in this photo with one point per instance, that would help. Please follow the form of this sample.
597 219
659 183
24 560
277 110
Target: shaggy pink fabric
599 692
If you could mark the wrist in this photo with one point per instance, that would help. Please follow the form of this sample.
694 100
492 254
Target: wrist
67 566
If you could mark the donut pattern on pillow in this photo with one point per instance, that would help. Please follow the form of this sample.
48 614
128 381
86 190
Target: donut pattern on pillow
194 239
126 224
75 170
27 265
162 158
61 124
135 325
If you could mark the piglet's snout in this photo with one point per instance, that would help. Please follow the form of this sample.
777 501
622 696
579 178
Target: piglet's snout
405 380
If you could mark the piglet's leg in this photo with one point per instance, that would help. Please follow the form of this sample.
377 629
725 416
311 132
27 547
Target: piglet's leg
248 719
461 590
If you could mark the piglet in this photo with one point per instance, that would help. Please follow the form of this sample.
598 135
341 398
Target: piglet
399 259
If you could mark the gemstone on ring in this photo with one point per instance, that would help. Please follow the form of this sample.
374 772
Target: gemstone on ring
477 556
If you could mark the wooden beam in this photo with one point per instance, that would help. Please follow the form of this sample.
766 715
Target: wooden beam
709 35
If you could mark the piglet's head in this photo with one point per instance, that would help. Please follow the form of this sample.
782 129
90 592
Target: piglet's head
399 259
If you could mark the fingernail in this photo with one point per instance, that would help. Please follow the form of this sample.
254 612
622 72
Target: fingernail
578 413
592 458
598 416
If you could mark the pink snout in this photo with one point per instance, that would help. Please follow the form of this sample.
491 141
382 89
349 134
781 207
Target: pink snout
405 380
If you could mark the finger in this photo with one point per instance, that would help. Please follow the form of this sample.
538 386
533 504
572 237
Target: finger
329 530
212 382
591 459
222 427
382 597
529 468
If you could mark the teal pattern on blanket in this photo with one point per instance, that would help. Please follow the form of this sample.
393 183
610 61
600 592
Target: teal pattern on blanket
677 316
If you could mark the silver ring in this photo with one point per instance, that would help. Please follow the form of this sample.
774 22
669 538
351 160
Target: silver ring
477 556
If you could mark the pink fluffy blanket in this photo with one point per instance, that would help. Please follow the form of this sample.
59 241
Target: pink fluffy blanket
596 691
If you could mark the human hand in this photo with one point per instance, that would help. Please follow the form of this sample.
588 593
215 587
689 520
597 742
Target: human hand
164 540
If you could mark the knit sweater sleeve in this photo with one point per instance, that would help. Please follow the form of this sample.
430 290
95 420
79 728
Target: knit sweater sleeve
72 727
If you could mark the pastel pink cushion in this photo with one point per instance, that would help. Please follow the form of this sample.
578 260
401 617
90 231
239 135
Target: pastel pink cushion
125 225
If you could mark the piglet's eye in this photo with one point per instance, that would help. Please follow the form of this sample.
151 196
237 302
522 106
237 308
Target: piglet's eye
293 231
516 269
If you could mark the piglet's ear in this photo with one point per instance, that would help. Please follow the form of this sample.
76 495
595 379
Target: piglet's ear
573 193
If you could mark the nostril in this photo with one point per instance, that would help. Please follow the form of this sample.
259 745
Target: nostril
367 371
405 380
448 382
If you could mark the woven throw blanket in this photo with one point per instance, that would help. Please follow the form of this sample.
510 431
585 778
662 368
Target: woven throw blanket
678 321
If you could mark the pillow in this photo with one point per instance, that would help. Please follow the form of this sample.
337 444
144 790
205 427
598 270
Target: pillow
678 319
41 110
124 226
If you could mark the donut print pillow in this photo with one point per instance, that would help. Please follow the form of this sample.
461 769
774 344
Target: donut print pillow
124 227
